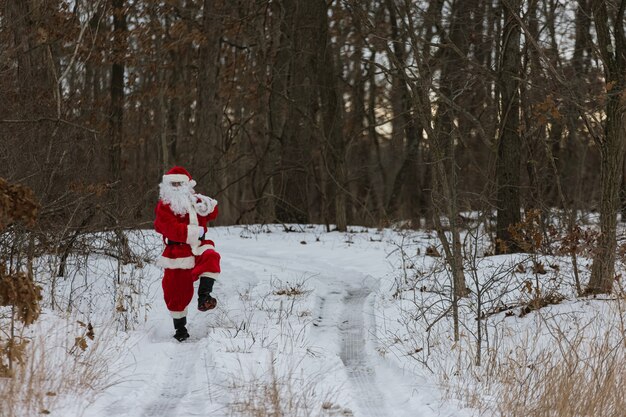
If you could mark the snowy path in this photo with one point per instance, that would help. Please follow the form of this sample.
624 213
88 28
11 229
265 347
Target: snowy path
362 374
376 386
324 337
173 388
341 310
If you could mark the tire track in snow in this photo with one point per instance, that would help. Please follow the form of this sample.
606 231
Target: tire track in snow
175 383
368 397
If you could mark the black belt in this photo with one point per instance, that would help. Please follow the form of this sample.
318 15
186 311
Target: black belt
171 242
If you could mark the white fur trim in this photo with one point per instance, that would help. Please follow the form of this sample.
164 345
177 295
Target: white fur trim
179 314
175 178
213 275
200 249
193 216
176 263
193 234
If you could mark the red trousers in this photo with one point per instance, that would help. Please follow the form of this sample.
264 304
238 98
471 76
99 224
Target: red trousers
178 283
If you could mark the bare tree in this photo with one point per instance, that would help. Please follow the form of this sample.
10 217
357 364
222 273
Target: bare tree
408 121
294 101
207 153
116 113
294 115
509 142
612 50
332 109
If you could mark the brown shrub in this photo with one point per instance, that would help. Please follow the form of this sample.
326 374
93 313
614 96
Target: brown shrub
17 204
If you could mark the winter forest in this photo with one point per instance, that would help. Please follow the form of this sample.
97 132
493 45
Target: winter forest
420 206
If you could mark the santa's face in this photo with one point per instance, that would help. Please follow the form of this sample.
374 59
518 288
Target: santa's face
178 195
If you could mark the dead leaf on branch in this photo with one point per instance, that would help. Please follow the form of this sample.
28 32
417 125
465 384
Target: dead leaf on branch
538 268
17 203
90 333
20 291
528 287
432 251
80 343
14 350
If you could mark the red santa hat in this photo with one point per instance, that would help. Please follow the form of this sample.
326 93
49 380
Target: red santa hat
177 174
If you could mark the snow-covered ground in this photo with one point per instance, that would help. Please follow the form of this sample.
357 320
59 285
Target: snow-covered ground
311 323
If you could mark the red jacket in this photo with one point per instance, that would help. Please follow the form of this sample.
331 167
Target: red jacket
186 230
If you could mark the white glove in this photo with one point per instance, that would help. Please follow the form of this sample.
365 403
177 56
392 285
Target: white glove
204 205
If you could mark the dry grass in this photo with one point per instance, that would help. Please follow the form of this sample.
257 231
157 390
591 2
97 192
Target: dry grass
55 368
576 368
283 393
587 381
294 289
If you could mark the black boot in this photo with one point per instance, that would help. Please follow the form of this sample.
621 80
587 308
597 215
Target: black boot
205 301
181 330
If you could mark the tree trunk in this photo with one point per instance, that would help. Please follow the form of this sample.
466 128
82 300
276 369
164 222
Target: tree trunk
278 109
174 112
509 145
359 165
294 108
409 122
611 146
377 173
26 20
623 193
207 153
446 137
116 116
612 155
332 119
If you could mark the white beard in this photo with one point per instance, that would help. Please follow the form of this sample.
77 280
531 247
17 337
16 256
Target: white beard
180 199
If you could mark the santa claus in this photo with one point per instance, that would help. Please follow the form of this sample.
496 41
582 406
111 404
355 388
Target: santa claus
182 217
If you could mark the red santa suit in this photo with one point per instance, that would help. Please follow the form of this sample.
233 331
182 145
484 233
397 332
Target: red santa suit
182 217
